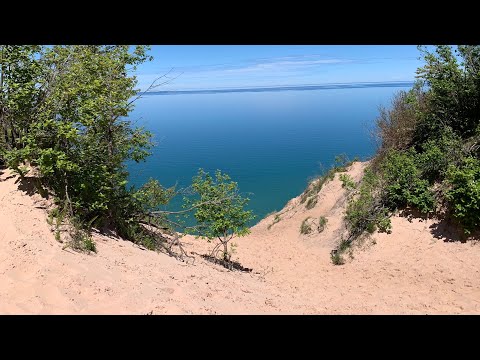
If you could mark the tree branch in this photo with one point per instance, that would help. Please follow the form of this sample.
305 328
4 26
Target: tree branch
154 85
212 202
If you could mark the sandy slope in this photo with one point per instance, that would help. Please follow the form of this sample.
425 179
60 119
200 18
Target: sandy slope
409 271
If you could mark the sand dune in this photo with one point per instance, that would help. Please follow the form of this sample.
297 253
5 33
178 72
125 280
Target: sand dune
414 270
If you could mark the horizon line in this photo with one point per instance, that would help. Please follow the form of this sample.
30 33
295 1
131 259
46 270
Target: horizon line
327 86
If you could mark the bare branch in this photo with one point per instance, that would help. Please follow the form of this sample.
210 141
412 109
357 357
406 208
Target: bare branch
154 85
212 202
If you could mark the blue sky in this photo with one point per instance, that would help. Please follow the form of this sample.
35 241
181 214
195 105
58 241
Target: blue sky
239 66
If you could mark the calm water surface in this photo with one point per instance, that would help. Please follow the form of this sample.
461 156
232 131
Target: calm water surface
271 143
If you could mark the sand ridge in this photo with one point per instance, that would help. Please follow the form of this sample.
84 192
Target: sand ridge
411 271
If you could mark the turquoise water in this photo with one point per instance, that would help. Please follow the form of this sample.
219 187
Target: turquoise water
271 143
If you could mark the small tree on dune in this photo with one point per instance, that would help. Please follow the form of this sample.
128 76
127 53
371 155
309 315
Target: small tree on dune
219 210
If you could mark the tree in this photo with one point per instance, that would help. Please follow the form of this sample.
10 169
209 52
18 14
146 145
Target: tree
452 80
19 76
464 193
80 137
219 210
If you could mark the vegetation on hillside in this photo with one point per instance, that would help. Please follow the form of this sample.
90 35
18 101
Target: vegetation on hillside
219 211
64 111
428 158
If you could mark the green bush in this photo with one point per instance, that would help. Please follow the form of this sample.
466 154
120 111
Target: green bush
311 202
366 210
404 185
337 258
465 193
347 182
337 254
219 210
322 223
395 127
429 147
437 154
305 228
341 163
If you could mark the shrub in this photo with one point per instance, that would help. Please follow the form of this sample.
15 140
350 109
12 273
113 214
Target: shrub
404 185
465 193
341 163
305 228
89 244
219 210
322 223
395 127
81 239
276 219
311 202
337 255
367 210
347 182
437 154
337 258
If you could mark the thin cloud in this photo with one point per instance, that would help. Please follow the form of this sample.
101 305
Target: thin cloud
279 63
287 65
285 70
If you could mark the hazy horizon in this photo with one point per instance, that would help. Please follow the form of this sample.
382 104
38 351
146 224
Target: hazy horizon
348 85
197 67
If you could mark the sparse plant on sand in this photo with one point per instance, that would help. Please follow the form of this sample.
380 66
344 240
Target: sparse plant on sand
322 223
337 254
347 182
306 227
219 210
276 220
311 202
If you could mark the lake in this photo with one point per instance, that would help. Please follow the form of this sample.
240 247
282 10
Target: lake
271 142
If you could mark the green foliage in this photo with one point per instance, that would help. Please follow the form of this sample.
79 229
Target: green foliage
152 195
395 127
337 254
465 193
430 138
404 185
337 258
341 163
66 109
276 220
429 147
60 216
451 77
347 181
367 211
22 170
322 223
51 215
90 245
305 227
82 241
219 208
312 201
436 155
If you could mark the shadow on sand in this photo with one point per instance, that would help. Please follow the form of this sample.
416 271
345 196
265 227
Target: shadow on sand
447 231
230 265
31 186
445 228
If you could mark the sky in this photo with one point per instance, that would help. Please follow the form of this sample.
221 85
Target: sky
199 67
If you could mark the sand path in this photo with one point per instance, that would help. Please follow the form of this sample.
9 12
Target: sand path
407 272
